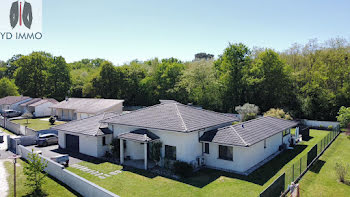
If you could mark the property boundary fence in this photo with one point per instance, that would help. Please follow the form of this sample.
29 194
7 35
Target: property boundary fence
16 128
280 187
77 183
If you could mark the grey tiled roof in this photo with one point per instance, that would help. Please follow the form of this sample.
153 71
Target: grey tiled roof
87 105
87 126
141 135
172 117
34 100
42 101
249 132
9 100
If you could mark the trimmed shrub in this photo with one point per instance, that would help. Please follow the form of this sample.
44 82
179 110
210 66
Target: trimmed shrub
182 169
52 120
330 127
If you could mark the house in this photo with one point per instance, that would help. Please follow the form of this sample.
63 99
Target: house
79 108
42 107
13 102
196 136
87 136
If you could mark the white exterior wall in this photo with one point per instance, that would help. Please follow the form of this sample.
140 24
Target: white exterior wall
89 145
188 147
43 109
83 115
66 114
244 157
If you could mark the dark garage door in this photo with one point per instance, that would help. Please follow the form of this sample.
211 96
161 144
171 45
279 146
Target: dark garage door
72 142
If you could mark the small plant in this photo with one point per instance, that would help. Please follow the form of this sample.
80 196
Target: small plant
34 171
182 169
155 152
52 120
27 115
115 148
321 126
341 170
330 127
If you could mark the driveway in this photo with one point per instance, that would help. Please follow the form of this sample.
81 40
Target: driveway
3 179
51 151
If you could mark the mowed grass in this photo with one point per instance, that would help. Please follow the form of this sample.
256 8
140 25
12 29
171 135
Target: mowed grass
321 180
206 182
50 187
37 124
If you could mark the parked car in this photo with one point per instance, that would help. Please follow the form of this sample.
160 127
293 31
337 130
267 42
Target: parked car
9 113
47 139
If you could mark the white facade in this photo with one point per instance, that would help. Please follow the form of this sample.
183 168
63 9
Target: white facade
43 109
88 145
245 158
188 148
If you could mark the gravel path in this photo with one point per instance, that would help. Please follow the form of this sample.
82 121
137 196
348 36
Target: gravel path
3 182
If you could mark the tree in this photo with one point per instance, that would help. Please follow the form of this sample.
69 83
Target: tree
269 81
7 88
59 79
247 111
231 68
344 116
31 75
27 115
34 170
278 113
201 86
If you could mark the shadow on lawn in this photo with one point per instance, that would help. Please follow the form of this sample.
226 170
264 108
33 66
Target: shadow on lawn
260 176
316 168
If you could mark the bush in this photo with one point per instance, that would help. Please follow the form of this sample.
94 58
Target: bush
52 120
182 169
247 111
321 126
155 152
341 170
344 116
330 127
278 113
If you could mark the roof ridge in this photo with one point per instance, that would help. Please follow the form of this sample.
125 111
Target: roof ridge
180 116
201 109
239 136
135 111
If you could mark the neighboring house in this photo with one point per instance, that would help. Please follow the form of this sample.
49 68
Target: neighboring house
87 136
38 107
80 108
13 102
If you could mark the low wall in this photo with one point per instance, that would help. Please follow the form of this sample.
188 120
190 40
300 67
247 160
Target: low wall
16 128
77 183
316 123
13 127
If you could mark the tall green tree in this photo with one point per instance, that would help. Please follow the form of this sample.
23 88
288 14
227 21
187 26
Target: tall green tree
269 81
59 79
7 88
31 75
232 67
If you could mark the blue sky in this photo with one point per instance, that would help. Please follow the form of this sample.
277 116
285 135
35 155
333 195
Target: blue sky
121 31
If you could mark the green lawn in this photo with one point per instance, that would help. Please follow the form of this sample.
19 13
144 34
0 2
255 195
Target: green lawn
50 187
321 180
206 182
6 131
37 124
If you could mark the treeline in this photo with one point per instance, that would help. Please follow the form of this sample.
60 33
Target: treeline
310 81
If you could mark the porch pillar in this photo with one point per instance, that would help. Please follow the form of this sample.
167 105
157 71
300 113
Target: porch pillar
145 152
121 151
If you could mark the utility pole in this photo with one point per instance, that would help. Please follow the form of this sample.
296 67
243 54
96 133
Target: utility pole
14 157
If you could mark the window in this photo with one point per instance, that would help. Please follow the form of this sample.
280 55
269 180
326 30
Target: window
206 148
103 140
226 153
264 143
170 152
286 132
